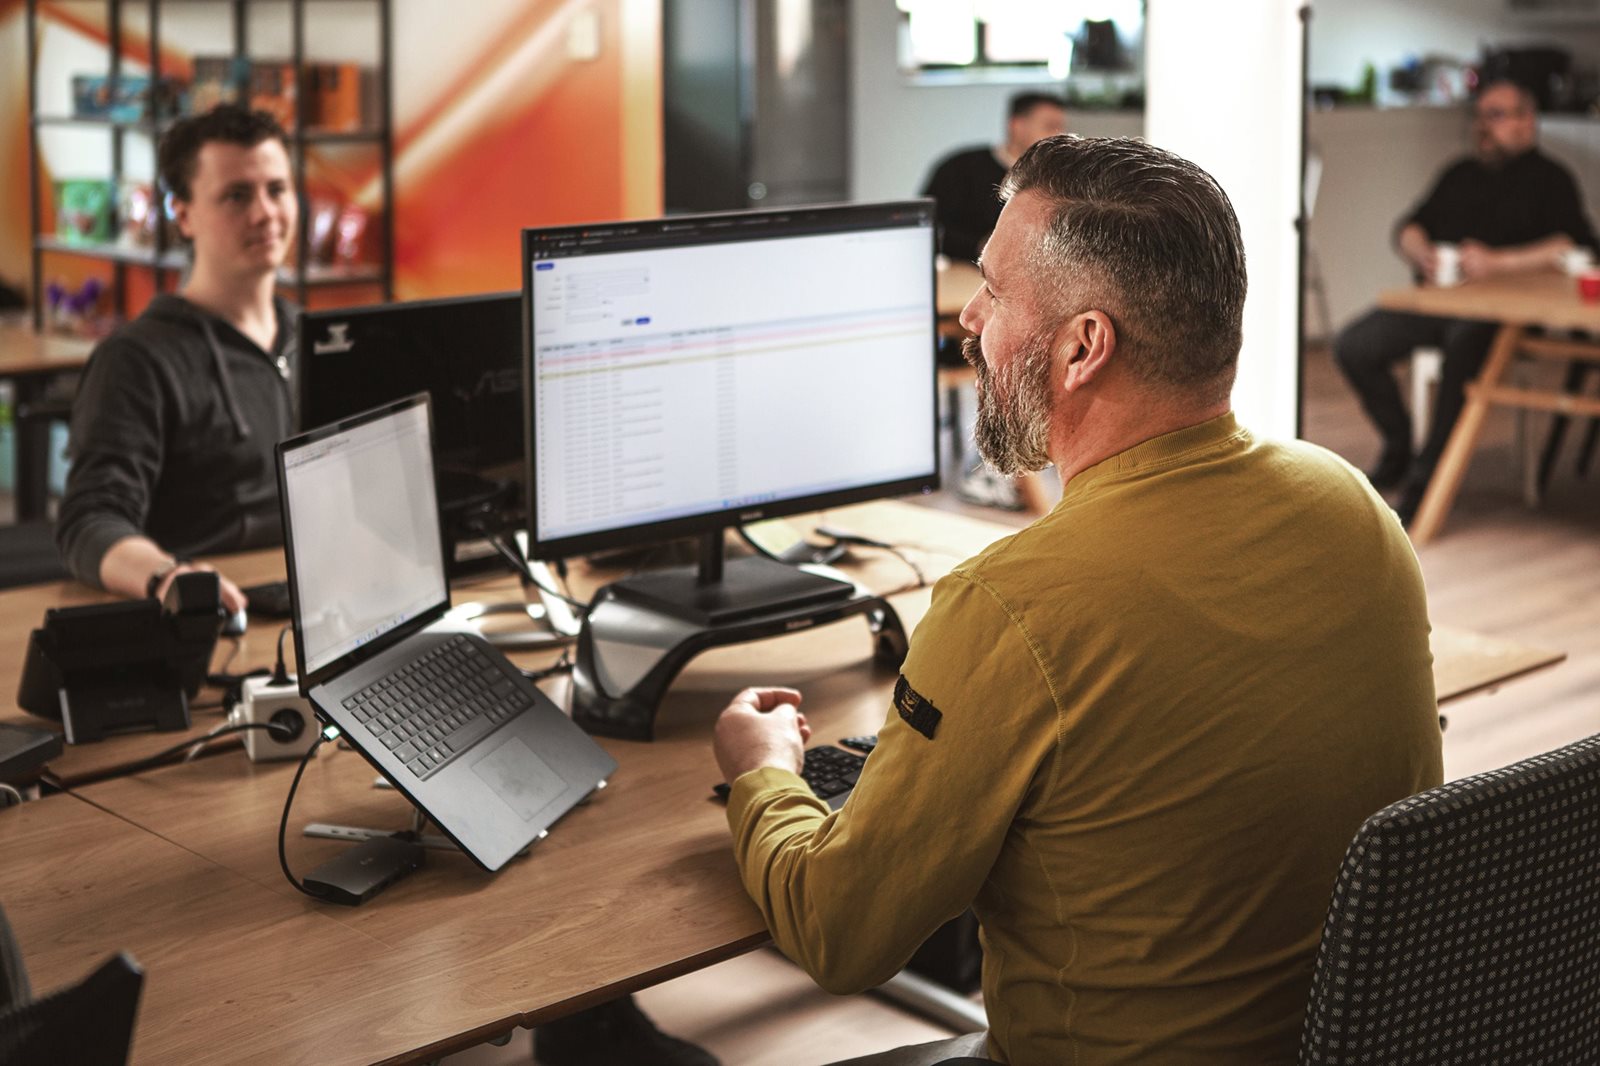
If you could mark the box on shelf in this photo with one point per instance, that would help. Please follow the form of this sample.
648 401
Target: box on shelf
125 98
272 90
84 209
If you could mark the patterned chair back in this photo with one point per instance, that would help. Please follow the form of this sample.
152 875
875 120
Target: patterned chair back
1465 926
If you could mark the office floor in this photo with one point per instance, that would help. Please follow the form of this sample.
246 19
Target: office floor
1531 575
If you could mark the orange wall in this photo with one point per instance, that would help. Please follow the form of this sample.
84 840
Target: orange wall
534 130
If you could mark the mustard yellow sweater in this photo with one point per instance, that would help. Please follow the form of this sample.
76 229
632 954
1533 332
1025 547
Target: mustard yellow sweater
1136 738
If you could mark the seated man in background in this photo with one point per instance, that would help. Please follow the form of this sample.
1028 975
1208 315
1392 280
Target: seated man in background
965 186
1510 209
1137 736
175 422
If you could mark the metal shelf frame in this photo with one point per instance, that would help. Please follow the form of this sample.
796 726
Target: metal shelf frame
164 259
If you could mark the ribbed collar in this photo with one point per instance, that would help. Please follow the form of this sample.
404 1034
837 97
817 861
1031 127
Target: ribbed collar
1167 450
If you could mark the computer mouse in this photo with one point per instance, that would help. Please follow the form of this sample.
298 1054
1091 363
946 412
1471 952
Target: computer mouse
233 625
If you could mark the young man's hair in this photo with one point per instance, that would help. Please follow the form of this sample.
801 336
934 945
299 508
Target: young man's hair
1023 103
179 153
1151 240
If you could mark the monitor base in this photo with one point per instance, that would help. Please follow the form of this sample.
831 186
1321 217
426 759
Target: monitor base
629 652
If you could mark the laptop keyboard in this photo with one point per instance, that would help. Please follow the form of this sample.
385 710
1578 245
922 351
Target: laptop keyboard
429 711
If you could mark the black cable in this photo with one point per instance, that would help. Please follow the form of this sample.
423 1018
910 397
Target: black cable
161 756
526 571
922 579
280 671
562 665
841 537
283 823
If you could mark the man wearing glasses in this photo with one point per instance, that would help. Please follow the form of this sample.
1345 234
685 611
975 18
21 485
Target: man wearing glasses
1506 209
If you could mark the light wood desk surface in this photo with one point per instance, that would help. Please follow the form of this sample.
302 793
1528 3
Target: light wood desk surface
636 887
25 352
954 283
1546 300
234 973
1543 299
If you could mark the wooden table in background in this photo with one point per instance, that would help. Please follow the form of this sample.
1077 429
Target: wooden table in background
32 362
636 887
1545 300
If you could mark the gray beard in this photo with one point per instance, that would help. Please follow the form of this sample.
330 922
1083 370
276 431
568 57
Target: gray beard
1012 434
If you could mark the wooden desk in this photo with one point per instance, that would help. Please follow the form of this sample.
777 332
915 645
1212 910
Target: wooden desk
1546 300
234 973
32 361
635 888
954 283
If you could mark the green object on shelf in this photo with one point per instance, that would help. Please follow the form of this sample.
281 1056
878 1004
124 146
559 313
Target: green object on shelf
83 210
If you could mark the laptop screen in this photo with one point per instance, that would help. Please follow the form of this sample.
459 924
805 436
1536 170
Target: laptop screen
363 530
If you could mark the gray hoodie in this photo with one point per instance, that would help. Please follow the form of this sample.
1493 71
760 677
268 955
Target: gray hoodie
172 437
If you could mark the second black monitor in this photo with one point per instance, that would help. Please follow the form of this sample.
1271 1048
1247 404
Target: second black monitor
466 353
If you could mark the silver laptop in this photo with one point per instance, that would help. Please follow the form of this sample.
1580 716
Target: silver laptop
441 714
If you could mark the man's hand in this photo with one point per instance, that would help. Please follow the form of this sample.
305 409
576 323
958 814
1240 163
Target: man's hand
232 599
1479 261
761 727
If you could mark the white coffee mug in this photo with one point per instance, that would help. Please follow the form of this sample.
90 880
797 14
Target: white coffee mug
1447 265
1576 260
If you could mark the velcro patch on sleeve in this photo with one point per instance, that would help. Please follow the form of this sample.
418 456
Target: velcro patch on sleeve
915 708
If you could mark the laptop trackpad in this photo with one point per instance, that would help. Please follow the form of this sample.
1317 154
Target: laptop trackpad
520 777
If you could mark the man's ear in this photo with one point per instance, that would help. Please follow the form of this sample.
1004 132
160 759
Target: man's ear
178 211
1085 344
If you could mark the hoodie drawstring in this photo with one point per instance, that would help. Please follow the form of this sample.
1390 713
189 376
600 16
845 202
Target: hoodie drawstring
225 382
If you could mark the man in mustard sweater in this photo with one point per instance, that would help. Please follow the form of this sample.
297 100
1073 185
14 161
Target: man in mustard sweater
1137 736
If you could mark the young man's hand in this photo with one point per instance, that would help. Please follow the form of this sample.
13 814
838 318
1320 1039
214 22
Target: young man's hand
761 727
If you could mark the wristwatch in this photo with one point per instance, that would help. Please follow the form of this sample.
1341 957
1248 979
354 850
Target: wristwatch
160 575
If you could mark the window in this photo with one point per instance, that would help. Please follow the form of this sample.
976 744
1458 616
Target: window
1062 36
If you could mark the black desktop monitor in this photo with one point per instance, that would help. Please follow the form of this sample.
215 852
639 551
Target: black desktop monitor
693 373
466 353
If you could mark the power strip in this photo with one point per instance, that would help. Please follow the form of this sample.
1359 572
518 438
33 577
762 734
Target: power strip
263 702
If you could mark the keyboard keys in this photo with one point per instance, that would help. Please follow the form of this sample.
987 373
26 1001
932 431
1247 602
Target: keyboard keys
434 708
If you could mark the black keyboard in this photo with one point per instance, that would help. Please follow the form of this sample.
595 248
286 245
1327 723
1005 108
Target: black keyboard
829 772
429 711
864 744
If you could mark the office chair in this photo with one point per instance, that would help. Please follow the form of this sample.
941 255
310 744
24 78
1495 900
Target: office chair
1463 925
28 555
88 1024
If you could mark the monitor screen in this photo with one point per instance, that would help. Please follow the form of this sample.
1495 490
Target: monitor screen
466 353
363 538
692 373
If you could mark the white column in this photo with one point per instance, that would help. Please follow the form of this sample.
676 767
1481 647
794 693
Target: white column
1224 89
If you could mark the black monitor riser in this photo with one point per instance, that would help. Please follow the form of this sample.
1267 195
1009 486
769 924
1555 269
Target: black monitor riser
633 643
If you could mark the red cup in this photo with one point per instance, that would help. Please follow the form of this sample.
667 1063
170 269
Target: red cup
1589 286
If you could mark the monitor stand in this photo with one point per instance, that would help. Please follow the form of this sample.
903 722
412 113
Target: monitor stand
641 631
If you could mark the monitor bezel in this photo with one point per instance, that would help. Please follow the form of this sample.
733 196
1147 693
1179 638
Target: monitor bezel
334 667
305 383
710 522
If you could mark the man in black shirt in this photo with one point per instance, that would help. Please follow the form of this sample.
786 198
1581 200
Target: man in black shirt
1509 209
966 185
174 426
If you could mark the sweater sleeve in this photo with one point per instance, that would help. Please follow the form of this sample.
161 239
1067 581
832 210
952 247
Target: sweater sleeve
116 445
850 895
1566 204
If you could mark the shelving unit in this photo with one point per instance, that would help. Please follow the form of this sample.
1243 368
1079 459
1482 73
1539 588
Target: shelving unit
163 260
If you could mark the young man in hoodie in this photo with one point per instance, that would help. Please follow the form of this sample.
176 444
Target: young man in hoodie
174 426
